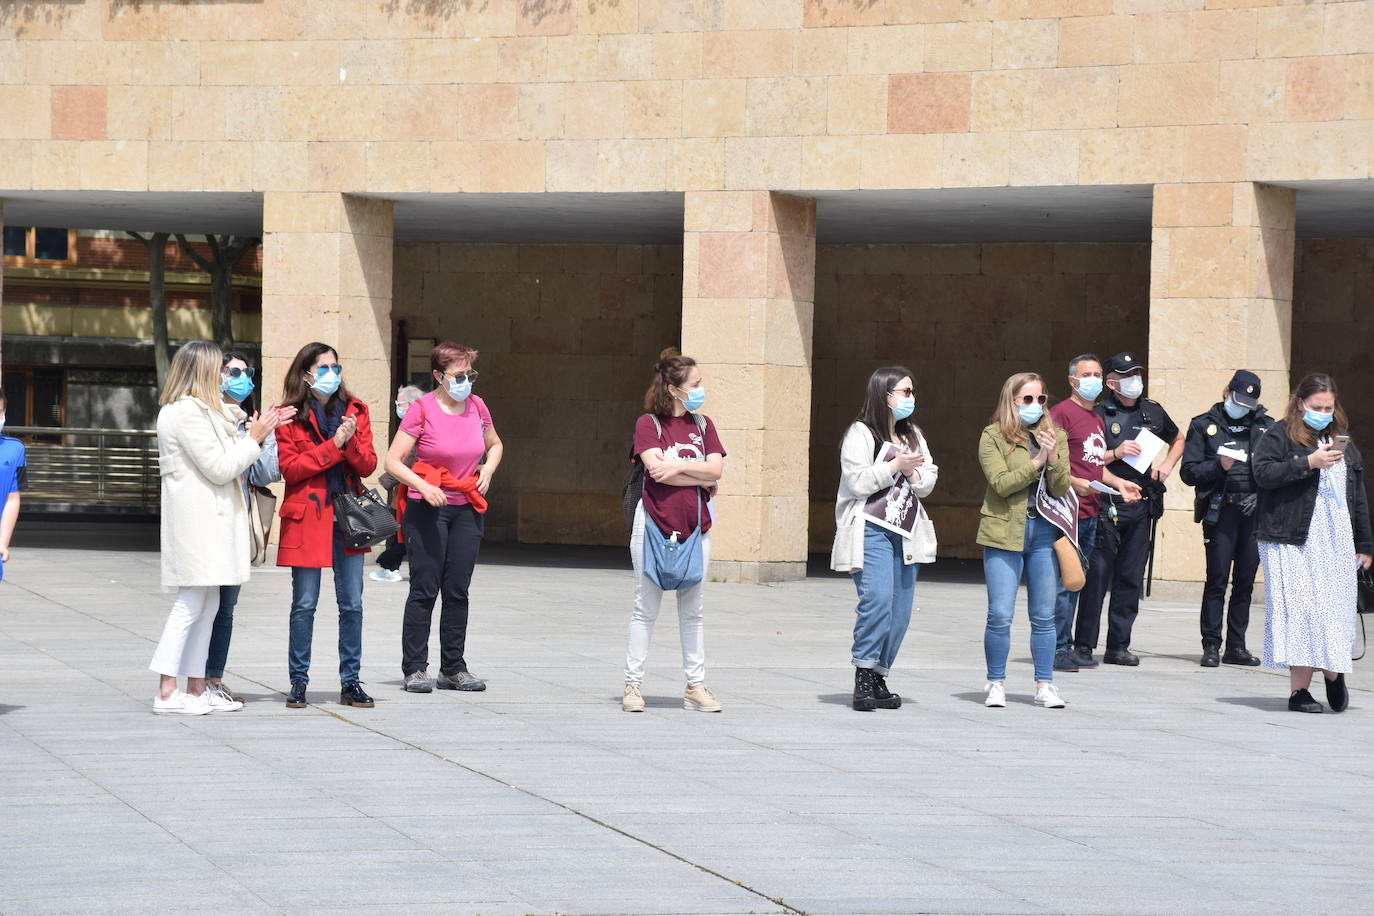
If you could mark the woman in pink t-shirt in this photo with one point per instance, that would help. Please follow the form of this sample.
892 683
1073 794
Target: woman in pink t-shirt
449 429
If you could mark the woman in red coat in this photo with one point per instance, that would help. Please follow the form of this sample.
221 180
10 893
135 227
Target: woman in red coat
324 452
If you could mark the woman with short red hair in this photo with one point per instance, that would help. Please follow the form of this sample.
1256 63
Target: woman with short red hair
451 433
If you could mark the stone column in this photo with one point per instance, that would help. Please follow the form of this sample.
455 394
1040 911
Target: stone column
748 282
1221 299
327 261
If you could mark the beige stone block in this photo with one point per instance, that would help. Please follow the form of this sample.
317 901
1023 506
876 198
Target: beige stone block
230 164
452 61
541 111
594 110
373 62
1289 31
488 112
397 167
762 14
977 160
733 329
571 165
902 161
696 164
364 330
1292 152
1271 264
1159 263
721 211
454 166
958 46
762 162
55 165
1209 263
1164 94
731 265
714 108
927 103
737 537
677 55
1252 91
140 113
1052 9
1349 28
1264 206
300 264
113 165
631 165
787 397
887 49
917 11
512 166
1002 101
174 165
1043 158
1024 44
606 18
1359 87
785 106
828 14
1095 41
16 169
1192 205
1215 153
285 166
1268 327
736 392
790 330
786 516
752 53
791 267
673 16
1315 89
820 52
522 60
1200 35
1178 555
625 57
1131 155
198 113
1175 344
79 112
857 105
556 18
572 58
832 162
691 265
653 108
1075 98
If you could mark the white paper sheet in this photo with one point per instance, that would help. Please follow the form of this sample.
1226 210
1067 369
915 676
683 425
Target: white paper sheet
1150 447
1235 453
1101 487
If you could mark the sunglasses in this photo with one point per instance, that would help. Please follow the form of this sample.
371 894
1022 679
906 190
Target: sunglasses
322 371
235 372
462 376
1032 399
904 392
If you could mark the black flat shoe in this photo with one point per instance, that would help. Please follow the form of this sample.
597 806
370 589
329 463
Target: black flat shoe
1301 701
296 698
1337 697
352 694
1121 657
1240 657
1211 656
886 698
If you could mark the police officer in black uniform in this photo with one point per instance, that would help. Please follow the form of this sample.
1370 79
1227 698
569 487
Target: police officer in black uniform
1123 536
1224 502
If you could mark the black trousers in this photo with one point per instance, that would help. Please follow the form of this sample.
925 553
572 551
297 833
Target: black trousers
1232 555
442 544
393 555
1118 566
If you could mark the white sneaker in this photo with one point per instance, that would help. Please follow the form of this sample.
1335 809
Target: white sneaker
180 703
385 575
1048 696
997 694
220 700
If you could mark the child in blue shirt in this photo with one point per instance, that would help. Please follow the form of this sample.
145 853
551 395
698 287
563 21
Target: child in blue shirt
12 480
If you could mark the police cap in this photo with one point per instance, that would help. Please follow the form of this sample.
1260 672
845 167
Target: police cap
1245 388
1124 362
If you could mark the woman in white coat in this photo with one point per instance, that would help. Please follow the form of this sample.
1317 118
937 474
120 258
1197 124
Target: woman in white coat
883 453
205 535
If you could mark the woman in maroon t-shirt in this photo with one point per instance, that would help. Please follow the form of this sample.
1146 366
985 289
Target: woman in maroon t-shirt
683 460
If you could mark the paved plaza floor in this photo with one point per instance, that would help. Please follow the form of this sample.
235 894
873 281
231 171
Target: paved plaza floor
1159 790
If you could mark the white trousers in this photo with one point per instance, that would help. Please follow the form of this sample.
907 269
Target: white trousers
185 641
648 599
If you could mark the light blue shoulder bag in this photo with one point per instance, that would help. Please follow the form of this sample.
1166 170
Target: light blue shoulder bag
672 563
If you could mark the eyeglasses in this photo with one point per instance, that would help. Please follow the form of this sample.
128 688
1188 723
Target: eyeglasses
470 376
904 392
1032 399
235 372
322 371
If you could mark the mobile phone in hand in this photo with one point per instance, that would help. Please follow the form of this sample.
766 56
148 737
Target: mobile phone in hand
1340 442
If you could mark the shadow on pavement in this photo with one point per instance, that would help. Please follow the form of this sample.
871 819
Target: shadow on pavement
8 709
1268 704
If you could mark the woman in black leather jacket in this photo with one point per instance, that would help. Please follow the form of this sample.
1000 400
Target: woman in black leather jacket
1313 529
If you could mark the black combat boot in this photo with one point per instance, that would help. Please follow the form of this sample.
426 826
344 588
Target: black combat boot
864 700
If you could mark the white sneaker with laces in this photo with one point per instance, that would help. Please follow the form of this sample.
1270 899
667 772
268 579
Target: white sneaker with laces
1047 695
219 700
180 703
997 694
385 575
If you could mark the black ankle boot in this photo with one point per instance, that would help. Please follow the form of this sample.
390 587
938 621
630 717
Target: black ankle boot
864 700
296 698
886 698
352 694
1211 654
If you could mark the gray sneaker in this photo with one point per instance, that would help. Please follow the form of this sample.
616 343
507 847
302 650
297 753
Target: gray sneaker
461 680
418 682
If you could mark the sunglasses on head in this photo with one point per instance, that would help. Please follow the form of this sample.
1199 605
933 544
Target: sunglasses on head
1032 399
235 372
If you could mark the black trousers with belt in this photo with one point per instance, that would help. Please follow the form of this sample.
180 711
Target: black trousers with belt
442 545
1117 566
1232 556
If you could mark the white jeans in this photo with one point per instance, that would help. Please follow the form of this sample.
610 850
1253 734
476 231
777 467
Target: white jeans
185 642
648 599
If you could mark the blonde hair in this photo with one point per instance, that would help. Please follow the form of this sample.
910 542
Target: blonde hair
195 371
1006 418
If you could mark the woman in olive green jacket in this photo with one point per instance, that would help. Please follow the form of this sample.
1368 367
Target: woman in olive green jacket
1018 448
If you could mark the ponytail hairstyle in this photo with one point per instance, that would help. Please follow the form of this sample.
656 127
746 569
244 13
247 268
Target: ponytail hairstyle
1298 430
1008 420
672 369
875 413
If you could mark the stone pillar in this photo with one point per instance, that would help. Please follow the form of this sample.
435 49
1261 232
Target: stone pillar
327 261
1221 299
748 282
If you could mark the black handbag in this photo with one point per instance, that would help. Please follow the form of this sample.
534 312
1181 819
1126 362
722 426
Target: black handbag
363 518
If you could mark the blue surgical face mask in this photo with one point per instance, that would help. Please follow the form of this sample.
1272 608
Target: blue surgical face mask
1132 386
1030 414
1318 421
401 411
1235 411
237 388
695 398
904 408
325 385
459 391
1089 388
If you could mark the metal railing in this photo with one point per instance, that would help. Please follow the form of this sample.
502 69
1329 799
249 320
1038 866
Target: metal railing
75 468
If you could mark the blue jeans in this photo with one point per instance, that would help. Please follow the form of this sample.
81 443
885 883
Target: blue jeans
1002 569
886 587
223 631
348 592
1067 602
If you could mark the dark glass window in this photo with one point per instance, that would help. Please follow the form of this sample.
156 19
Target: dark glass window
50 244
15 237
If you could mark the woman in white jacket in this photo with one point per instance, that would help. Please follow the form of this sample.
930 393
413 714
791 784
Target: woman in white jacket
883 454
205 536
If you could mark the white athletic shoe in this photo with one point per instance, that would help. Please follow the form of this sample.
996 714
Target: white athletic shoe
385 575
220 700
180 703
1048 696
997 694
